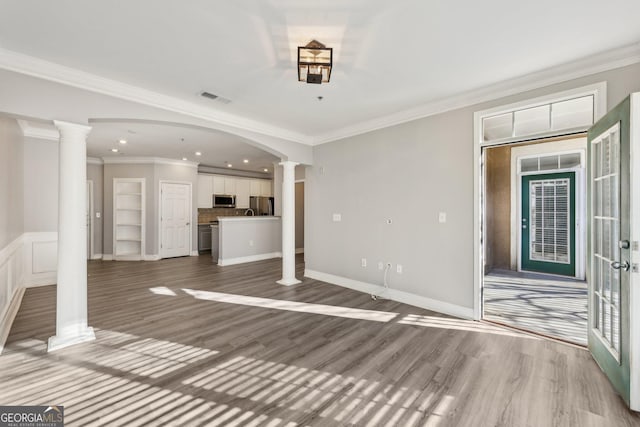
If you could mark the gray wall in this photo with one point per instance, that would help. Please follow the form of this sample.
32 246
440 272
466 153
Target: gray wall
11 182
40 185
153 174
95 173
408 173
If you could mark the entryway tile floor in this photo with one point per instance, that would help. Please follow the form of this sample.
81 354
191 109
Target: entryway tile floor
548 305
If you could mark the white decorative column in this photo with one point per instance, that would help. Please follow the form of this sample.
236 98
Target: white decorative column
288 224
71 308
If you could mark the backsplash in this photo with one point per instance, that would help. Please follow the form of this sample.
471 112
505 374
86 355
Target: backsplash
212 214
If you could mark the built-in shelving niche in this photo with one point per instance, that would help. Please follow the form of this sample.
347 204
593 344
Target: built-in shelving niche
128 218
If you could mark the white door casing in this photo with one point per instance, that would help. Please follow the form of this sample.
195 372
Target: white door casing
89 219
175 219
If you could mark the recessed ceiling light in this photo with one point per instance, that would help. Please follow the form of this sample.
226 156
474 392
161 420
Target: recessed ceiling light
115 150
198 153
265 169
184 158
229 165
122 141
246 160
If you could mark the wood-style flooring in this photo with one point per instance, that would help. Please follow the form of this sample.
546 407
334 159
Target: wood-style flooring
184 342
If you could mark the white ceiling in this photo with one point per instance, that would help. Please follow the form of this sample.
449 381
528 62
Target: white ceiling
389 56
216 149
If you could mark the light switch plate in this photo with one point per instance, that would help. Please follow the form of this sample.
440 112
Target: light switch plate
442 217
337 217
97 214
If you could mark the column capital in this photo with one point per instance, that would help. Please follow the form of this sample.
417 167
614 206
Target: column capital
64 127
288 164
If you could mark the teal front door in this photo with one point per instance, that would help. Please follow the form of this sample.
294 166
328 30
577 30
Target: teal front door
609 247
549 223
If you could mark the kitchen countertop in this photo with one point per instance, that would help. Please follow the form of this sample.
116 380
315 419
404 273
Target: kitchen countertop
248 218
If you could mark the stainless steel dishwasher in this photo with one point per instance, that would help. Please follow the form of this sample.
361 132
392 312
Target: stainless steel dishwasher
214 242
204 238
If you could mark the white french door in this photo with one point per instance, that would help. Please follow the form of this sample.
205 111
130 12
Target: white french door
175 219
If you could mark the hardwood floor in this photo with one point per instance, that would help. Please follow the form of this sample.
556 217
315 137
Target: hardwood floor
184 342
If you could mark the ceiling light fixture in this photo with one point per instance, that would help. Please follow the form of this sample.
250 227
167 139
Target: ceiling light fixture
184 158
315 61
245 161
115 150
198 153
122 141
229 165
265 169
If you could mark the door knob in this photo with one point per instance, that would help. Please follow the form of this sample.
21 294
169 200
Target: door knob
624 244
620 265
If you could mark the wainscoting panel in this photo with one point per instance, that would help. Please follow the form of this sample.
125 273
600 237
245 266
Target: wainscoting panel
11 278
41 258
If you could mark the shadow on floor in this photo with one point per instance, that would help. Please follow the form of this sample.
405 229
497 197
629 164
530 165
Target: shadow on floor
552 306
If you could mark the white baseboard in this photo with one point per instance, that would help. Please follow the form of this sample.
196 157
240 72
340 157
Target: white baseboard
10 314
394 294
195 253
251 258
299 250
152 257
107 257
96 256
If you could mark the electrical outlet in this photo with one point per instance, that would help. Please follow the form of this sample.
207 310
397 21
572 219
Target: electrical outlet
399 269
389 221
363 262
380 266
442 217
337 217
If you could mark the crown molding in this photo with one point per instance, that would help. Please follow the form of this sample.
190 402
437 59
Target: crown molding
37 132
147 160
609 60
36 67
94 161
20 63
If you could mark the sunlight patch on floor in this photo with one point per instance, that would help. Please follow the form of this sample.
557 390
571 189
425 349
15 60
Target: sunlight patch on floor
300 307
458 324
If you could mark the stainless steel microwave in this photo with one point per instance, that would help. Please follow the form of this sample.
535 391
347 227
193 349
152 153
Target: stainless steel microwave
224 201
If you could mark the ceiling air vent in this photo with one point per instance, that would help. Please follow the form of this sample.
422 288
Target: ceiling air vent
215 97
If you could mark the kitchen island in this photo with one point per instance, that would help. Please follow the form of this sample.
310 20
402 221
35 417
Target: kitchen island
248 238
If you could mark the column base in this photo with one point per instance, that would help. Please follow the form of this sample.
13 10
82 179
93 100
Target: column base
56 342
288 282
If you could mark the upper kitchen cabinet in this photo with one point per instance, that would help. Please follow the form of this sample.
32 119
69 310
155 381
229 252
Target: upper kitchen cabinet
265 188
243 191
261 187
205 191
224 185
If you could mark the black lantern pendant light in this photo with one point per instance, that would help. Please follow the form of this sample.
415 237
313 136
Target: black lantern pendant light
314 63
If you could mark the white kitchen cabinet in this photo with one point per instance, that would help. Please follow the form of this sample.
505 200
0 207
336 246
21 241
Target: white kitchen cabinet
128 218
243 191
230 185
265 188
224 185
256 188
205 191
218 184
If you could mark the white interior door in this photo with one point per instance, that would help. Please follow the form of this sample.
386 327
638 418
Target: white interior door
175 220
